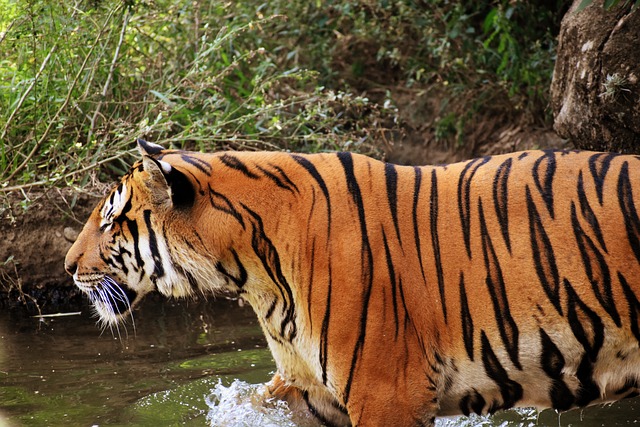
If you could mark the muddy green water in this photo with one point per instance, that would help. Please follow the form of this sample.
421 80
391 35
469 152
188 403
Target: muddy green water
186 363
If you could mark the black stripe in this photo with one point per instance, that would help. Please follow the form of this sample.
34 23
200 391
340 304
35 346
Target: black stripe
239 281
346 160
117 259
122 216
414 215
406 311
270 311
235 163
500 199
552 362
200 164
467 320
544 181
314 410
495 284
599 166
634 306
589 390
324 332
309 167
285 177
193 283
464 198
276 179
585 324
510 390
391 178
543 256
392 280
158 269
435 240
472 402
222 203
312 269
109 212
268 255
112 262
132 225
596 268
628 207
588 214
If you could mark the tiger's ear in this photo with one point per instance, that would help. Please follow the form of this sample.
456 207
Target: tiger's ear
168 186
148 148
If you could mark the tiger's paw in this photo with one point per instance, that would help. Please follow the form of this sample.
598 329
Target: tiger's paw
316 404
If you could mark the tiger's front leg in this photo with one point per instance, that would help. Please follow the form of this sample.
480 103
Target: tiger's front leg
389 407
395 386
316 403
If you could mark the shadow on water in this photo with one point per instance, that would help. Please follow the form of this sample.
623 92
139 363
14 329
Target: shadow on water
195 363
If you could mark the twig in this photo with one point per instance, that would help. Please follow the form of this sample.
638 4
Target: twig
70 174
28 91
109 76
53 121
4 33
43 316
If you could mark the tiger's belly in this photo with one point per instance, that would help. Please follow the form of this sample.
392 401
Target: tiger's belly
548 378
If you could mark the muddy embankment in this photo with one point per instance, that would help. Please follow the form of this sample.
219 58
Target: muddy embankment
33 243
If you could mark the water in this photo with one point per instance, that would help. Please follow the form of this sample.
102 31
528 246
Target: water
192 363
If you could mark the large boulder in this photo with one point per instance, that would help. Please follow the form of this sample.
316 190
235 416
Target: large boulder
595 92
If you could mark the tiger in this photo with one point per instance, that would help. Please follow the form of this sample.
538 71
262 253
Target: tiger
391 295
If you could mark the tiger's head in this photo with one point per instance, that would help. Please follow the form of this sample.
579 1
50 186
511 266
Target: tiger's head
139 239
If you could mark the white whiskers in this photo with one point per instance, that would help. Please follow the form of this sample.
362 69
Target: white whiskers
108 297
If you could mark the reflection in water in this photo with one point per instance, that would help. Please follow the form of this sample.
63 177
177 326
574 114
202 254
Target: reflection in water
188 363
66 369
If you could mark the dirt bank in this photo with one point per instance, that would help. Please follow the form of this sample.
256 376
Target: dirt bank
33 244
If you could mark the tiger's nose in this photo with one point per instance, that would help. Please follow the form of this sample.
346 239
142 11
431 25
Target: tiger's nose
70 267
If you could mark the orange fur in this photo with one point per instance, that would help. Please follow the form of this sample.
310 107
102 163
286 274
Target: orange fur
390 295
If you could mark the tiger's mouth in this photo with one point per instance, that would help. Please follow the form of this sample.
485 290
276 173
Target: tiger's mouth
113 302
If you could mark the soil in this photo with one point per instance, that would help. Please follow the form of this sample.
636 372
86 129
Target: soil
33 243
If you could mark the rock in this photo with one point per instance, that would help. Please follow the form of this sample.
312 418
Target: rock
595 92
71 234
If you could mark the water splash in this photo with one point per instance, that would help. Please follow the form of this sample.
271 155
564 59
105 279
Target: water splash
244 405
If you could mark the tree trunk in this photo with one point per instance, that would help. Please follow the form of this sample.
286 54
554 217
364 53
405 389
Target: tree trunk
595 92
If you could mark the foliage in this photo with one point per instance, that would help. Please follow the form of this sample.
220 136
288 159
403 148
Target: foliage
78 82
608 4
468 48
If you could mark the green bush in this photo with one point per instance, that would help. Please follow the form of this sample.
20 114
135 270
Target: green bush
466 48
78 82
78 85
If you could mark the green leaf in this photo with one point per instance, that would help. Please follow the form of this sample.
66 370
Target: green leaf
162 97
608 4
583 5
489 20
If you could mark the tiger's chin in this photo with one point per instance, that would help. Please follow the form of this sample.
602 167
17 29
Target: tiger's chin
112 301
